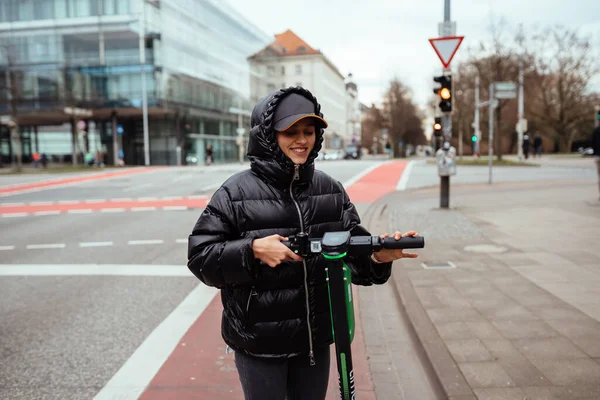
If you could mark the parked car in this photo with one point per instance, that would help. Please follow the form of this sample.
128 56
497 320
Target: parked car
352 152
334 154
586 151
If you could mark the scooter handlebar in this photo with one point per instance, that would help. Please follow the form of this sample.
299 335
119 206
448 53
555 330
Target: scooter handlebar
407 242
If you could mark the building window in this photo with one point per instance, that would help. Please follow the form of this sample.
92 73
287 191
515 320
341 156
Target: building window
298 69
283 70
270 87
270 70
301 49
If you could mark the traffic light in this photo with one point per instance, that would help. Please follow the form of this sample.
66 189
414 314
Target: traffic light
444 91
437 126
473 138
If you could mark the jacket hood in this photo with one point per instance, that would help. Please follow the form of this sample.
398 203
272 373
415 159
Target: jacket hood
266 158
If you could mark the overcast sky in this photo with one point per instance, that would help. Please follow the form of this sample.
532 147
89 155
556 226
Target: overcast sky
378 39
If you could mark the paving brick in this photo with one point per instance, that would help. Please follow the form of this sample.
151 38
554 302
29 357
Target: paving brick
486 375
507 311
468 350
484 329
448 314
580 257
548 348
591 346
499 394
518 367
579 392
564 312
516 329
528 312
585 327
454 330
571 372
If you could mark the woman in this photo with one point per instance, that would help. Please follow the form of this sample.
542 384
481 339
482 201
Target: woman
275 304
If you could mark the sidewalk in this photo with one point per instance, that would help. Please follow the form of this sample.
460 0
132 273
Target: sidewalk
516 314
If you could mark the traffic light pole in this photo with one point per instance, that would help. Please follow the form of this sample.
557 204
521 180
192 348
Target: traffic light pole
447 124
476 119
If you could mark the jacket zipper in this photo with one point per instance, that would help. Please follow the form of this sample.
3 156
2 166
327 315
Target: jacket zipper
252 293
311 354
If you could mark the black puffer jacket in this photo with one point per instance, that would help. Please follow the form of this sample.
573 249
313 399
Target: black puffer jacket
269 312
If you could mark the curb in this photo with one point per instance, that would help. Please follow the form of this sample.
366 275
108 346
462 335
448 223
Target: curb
444 374
415 316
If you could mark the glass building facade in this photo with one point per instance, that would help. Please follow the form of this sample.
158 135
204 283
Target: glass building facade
56 54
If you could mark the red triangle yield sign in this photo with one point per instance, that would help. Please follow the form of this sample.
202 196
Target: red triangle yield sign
445 48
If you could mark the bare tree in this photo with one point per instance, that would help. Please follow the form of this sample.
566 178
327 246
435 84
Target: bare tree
564 64
403 117
497 61
371 125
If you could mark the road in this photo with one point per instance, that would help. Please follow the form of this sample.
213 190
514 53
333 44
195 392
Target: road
95 293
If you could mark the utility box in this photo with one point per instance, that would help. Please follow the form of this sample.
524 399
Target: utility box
445 159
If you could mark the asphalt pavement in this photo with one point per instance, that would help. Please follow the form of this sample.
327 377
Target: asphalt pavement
84 292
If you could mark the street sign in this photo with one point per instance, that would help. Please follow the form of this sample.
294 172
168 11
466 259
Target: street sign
446 47
79 112
524 126
447 28
505 90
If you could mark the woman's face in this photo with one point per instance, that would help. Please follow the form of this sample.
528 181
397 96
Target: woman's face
298 140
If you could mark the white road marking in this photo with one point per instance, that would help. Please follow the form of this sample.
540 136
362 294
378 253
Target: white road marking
46 213
122 199
82 211
11 204
199 196
150 241
95 201
41 203
405 176
19 214
137 372
95 244
143 208
147 198
181 241
355 178
7 247
112 210
172 198
47 246
174 208
93 269
68 201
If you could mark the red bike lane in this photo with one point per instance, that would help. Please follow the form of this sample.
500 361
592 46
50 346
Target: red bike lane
199 368
59 182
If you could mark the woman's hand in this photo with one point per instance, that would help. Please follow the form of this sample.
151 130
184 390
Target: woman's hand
389 255
272 252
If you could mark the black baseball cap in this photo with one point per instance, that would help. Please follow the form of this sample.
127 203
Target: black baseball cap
291 109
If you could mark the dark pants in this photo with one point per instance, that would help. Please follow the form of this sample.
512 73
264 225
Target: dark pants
291 379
